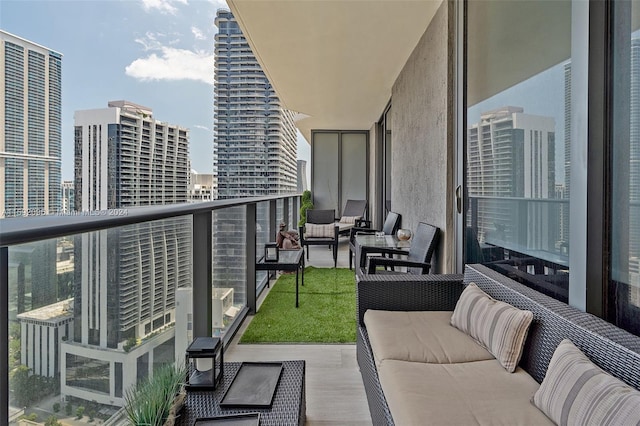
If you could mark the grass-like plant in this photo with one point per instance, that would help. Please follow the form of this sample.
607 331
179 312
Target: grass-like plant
149 402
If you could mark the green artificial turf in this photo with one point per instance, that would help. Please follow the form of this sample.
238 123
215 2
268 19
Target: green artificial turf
326 314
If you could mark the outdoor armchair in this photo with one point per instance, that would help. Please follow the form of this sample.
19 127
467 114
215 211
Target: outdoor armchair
353 214
390 226
418 259
320 229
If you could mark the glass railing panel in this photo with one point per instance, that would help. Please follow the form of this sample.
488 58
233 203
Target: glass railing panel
262 236
280 211
229 266
91 314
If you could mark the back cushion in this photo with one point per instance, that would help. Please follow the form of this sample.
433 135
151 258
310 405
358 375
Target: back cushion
577 392
496 325
313 230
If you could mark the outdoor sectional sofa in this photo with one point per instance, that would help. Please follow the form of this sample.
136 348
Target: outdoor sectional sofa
418 369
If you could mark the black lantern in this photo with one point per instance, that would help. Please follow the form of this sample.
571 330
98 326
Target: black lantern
205 363
271 252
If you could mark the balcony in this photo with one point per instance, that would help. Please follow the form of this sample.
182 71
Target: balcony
125 310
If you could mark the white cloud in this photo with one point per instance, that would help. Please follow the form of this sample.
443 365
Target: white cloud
198 126
173 64
163 6
198 34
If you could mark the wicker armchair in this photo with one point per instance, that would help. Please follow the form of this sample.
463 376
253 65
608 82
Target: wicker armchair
353 214
418 259
390 226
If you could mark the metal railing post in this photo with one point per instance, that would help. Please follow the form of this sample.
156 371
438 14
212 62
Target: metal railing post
273 219
250 248
4 332
285 212
202 274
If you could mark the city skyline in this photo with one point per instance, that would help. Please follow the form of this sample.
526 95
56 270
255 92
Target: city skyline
156 53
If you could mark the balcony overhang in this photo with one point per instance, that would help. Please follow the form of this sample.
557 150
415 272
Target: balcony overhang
334 62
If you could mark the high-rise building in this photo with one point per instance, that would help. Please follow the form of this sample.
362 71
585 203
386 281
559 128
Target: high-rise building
68 196
126 278
303 184
564 231
254 151
255 137
510 165
634 166
30 119
202 187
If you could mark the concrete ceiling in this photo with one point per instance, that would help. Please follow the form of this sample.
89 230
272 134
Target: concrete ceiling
333 61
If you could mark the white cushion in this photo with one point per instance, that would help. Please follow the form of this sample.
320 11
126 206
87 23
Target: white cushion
466 393
420 336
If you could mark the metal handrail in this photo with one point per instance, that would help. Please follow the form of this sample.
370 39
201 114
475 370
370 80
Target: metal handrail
20 230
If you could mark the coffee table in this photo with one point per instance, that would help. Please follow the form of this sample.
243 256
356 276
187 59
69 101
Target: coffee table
374 244
288 260
288 408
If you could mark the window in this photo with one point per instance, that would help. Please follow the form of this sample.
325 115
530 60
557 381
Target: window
518 147
624 288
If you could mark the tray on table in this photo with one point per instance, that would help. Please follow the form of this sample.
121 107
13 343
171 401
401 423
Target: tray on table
254 385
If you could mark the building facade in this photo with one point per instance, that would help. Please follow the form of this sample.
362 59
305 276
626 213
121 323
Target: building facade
303 183
202 187
254 136
510 160
126 278
30 119
68 196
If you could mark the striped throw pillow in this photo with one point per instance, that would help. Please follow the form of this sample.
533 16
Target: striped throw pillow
577 392
351 220
497 326
314 230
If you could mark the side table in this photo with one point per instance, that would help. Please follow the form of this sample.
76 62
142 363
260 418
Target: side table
288 260
288 408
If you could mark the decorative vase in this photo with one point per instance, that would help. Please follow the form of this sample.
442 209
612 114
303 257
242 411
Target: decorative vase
403 234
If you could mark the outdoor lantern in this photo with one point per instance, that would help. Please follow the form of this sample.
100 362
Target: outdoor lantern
271 252
205 363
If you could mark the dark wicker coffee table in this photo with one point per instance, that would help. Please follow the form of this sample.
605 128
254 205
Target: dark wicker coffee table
288 407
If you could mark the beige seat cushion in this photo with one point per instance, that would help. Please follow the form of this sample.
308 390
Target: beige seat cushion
473 393
421 336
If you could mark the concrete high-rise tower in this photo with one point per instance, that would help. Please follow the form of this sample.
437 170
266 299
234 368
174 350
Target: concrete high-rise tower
255 137
30 123
511 158
254 149
126 278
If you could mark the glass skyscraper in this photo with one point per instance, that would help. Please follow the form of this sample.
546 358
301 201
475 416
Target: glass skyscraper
255 137
30 119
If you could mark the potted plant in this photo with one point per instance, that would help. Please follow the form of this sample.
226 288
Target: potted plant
157 400
305 205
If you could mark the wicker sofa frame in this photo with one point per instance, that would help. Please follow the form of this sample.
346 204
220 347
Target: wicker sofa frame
611 348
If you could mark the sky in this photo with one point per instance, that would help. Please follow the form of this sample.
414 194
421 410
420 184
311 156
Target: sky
156 53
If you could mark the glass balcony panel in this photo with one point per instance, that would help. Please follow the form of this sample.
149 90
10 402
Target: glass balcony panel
86 311
229 266
262 236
